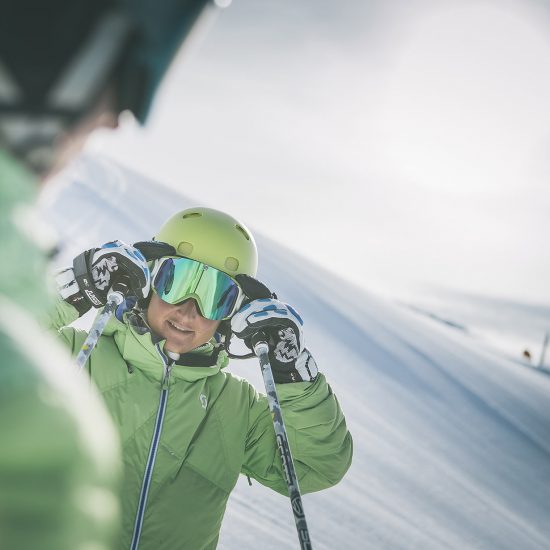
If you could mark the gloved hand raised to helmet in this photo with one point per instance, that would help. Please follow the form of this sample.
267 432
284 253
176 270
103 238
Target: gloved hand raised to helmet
96 270
290 360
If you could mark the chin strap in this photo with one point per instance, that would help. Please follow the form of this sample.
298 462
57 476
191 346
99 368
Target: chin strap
225 332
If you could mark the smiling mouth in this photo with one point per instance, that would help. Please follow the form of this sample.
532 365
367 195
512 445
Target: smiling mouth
179 328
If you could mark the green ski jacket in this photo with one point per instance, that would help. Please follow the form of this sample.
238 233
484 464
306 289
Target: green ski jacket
188 432
58 467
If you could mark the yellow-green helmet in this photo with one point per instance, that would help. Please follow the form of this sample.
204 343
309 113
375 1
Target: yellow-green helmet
212 237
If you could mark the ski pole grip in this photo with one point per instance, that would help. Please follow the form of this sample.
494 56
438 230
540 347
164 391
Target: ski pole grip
259 343
118 291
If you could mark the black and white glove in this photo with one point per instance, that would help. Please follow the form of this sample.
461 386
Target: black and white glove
95 271
290 360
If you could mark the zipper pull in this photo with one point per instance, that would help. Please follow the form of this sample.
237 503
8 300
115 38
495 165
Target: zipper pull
168 359
172 357
166 377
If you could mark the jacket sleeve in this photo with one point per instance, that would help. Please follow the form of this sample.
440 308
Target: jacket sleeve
320 442
62 315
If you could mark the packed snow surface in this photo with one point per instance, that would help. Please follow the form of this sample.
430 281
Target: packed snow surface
451 440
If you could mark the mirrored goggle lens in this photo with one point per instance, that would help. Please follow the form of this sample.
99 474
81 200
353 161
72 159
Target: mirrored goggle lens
180 278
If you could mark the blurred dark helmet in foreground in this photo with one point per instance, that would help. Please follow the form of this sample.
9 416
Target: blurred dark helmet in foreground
61 60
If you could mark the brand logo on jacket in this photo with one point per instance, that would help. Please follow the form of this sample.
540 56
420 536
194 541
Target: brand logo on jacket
204 401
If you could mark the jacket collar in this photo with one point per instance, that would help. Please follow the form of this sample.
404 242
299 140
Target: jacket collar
139 349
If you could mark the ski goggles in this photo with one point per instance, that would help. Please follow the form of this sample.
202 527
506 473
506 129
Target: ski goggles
218 296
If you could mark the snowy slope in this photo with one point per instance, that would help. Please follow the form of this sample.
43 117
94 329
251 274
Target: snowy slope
506 325
452 442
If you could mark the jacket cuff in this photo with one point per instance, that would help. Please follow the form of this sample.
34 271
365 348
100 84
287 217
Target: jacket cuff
68 289
299 390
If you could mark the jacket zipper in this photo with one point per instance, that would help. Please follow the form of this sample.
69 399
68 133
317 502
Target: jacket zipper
153 449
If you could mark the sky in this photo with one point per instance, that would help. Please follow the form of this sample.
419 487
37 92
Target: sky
400 144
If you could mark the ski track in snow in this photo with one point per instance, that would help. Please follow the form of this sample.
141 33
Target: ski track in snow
452 441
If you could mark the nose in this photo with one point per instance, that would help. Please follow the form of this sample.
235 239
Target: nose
189 308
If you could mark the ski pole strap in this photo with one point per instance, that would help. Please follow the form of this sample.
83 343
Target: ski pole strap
261 349
113 300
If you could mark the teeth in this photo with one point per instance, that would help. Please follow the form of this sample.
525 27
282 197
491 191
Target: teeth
177 327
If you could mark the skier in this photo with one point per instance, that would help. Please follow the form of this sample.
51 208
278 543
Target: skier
66 66
188 427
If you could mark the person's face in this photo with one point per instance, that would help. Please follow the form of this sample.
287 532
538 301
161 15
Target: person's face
183 327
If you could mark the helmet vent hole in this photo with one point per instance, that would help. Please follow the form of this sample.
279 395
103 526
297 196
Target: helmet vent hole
185 249
192 215
231 264
243 231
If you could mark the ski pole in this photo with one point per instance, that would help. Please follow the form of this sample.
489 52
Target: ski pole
115 297
261 349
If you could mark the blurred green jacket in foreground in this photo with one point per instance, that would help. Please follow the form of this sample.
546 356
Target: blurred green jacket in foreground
59 456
